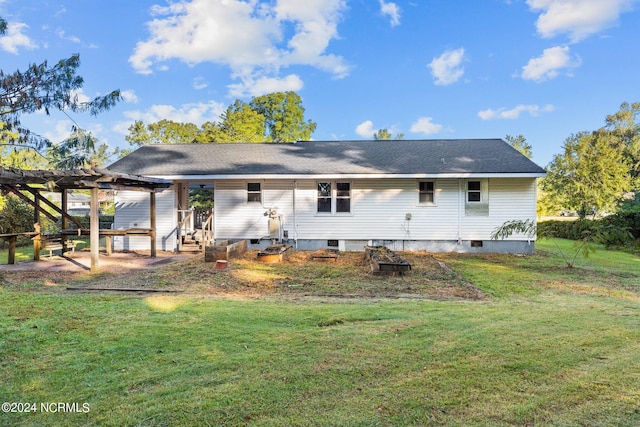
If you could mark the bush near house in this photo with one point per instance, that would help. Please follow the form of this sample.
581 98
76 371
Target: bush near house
618 230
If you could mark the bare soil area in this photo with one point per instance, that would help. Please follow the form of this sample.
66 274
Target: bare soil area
300 275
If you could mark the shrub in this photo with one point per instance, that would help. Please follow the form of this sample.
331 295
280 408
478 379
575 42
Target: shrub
572 230
615 230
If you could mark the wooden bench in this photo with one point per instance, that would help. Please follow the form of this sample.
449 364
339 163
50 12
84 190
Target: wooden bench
55 244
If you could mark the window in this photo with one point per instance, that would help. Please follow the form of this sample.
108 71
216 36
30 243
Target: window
426 193
324 197
334 197
343 197
473 191
476 197
254 193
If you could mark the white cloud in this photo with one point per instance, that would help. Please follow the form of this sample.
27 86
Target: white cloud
61 131
425 126
365 129
514 113
446 69
256 87
197 113
81 96
578 18
129 96
392 11
60 33
200 83
254 38
14 38
548 65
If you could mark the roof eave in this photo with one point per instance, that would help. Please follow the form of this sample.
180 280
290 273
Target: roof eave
459 175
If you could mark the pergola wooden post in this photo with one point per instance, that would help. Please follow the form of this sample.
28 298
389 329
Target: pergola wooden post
36 226
152 222
94 229
12 250
65 221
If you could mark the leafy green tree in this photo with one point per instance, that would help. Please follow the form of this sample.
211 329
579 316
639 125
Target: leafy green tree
170 132
284 117
239 124
44 87
592 173
101 155
16 156
385 135
276 117
16 216
520 143
162 132
530 229
624 125
138 134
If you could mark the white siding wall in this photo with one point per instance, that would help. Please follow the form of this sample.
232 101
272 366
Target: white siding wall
509 199
132 210
379 208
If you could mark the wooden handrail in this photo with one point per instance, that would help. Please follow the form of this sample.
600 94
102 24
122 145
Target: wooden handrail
207 228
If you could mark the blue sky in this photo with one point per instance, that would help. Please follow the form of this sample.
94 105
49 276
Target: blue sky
425 68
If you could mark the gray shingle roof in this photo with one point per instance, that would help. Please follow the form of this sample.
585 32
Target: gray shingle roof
402 157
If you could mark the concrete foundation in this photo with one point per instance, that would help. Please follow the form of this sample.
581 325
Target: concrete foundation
465 246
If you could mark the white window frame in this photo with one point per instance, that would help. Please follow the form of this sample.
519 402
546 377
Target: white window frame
432 192
253 192
334 197
470 191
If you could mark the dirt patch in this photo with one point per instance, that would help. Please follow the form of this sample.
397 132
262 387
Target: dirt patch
301 275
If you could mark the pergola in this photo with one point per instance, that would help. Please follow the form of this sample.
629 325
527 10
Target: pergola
27 184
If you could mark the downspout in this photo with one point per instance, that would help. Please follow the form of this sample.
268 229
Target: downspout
295 224
460 207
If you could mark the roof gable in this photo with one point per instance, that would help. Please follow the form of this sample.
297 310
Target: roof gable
396 157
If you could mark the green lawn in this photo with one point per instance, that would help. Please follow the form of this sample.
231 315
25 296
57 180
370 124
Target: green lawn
552 346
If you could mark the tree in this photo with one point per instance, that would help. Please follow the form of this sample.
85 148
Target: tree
591 174
138 134
520 143
17 215
16 157
623 125
43 88
162 132
284 117
276 117
239 124
170 132
531 230
385 135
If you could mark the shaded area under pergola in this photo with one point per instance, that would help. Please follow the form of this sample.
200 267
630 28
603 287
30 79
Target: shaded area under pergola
28 184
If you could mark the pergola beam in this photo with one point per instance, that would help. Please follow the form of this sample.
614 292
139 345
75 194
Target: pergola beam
17 181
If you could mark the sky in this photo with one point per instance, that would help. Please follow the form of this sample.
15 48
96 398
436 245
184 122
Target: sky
427 69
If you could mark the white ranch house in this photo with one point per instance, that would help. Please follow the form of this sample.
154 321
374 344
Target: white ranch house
434 195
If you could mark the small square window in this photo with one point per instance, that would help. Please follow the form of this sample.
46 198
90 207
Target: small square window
254 193
473 191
